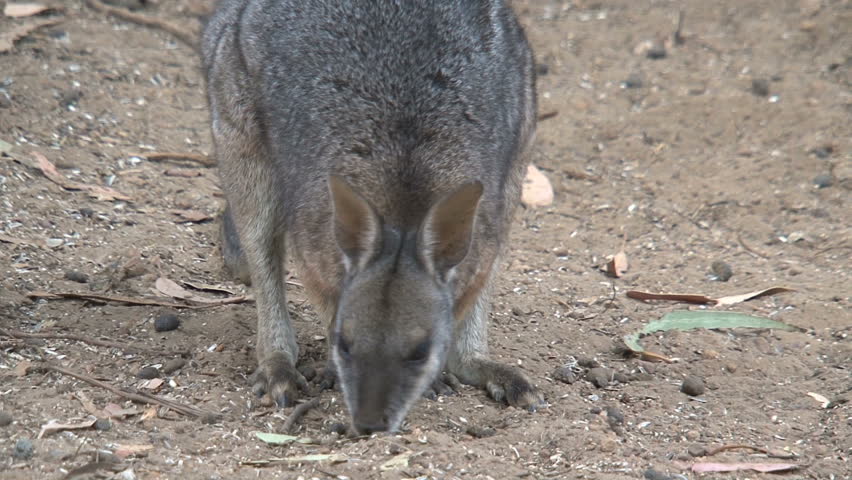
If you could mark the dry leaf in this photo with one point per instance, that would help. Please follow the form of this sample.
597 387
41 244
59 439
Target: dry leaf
89 406
22 368
114 298
95 191
536 191
149 413
184 172
708 467
206 287
124 451
192 216
172 289
617 267
676 297
17 10
113 410
54 426
730 300
824 402
9 37
152 384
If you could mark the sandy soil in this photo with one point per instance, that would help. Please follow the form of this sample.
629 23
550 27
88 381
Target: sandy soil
733 145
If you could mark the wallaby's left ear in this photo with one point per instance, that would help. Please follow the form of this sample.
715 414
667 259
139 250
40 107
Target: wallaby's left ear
447 231
357 226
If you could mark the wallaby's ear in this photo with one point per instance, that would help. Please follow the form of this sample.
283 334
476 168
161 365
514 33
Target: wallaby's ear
445 235
357 226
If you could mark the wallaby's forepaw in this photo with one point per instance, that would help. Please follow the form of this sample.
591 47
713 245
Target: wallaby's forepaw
507 384
446 384
328 379
277 377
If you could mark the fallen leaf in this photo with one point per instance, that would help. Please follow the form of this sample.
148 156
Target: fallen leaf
54 426
192 216
18 10
328 457
152 384
95 191
690 320
124 451
116 411
184 172
281 439
708 467
89 406
206 287
397 462
22 368
675 297
8 38
824 402
730 300
536 190
618 265
172 289
149 413
114 298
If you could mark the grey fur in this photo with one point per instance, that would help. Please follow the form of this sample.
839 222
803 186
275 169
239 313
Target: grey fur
383 142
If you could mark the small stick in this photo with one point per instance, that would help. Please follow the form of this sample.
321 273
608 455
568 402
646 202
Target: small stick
179 32
678 33
298 413
189 157
91 341
114 298
749 249
140 397
548 115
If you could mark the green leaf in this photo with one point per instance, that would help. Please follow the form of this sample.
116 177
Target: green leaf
690 320
281 439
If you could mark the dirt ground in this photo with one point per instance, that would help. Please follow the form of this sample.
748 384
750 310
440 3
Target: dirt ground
728 143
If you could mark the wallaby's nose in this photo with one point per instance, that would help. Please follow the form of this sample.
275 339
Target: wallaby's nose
369 428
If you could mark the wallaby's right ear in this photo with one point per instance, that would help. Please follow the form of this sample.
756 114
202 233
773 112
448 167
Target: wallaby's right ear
447 231
357 226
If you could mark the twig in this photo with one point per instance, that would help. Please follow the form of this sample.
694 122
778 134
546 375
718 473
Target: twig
189 157
298 413
178 31
114 298
140 397
678 33
548 115
90 341
767 452
749 249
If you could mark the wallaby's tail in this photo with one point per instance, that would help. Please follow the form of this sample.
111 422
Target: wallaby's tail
232 250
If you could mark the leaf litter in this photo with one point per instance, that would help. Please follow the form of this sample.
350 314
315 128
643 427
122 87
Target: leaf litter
704 299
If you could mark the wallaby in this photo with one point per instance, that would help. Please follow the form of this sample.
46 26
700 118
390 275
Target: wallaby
383 142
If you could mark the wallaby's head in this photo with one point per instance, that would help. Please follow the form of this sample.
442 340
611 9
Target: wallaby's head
394 320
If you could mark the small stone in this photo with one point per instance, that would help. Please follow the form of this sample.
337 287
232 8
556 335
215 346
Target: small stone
587 362
692 435
731 367
710 354
480 432
564 375
516 311
760 87
173 365
633 81
693 386
23 449
721 270
87 212
75 276
641 377
621 377
696 450
823 152
824 180
5 101
338 428
210 418
652 474
600 377
657 51
614 416
595 410
103 424
54 242
166 322
609 445
542 69
6 419
148 373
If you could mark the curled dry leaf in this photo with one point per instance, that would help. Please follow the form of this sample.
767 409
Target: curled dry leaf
124 451
18 10
618 265
172 289
152 384
536 191
95 191
704 299
54 426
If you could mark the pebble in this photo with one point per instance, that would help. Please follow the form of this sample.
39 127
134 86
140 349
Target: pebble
657 51
148 373
621 377
614 416
5 101
6 419
760 87
103 424
166 322
542 69
173 365
731 367
696 450
587 362
824 180
87 212
693 386
23 449
338 428
608 445
722 270
652 474
633 81
76 276
480 432
710 354
516 311
210 418
564 375
599 377
641 377
692 435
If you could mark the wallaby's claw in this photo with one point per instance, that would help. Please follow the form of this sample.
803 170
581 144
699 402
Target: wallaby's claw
279 379
446 384
328 379
507 384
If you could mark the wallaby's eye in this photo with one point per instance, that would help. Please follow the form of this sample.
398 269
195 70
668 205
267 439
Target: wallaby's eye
342 346
421 353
